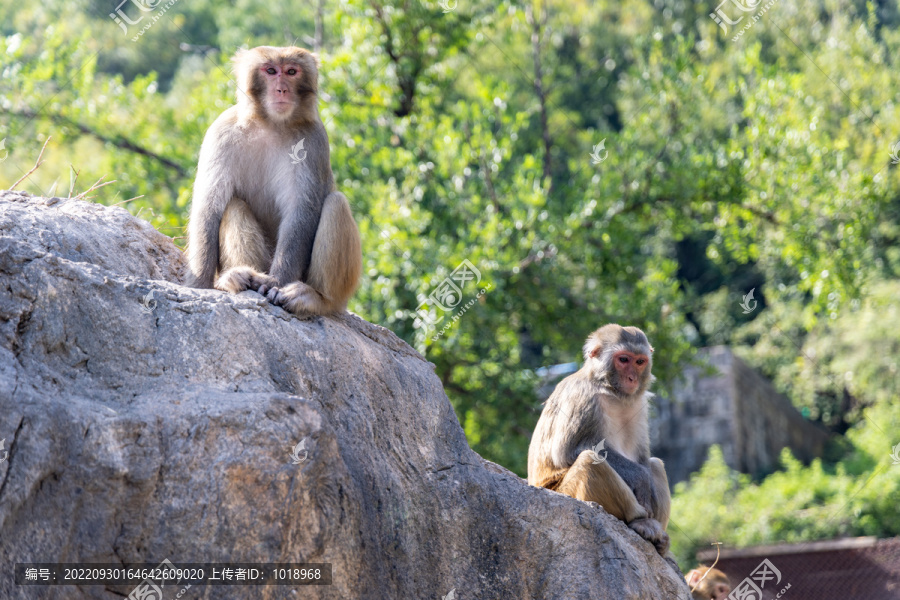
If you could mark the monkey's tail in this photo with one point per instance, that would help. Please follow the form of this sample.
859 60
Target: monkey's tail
336 262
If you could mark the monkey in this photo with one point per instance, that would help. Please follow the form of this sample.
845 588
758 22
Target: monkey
265 213
606 401
714 586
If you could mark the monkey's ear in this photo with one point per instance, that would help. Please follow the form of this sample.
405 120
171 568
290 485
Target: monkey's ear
592 347
316 60
239 56
693 577
239 67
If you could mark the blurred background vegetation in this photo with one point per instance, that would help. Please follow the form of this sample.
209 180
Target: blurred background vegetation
466 132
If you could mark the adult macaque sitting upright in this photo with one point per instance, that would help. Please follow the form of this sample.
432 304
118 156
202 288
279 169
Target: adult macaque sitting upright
266 215
605 401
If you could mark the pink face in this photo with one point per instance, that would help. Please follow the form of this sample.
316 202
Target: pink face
630 367
281 85
721 591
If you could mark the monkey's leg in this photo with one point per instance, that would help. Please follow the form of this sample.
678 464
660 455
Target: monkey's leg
244 256
601 484
662 498
662 504
334 267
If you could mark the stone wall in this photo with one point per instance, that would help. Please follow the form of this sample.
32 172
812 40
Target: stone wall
736 408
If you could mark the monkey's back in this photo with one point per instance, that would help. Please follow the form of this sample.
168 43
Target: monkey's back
560 430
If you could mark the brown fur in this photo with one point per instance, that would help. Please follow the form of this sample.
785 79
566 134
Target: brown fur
261 220
588 407
714 586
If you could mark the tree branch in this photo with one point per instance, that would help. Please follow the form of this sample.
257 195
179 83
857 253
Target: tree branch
37 164
118 141
406 81
539 86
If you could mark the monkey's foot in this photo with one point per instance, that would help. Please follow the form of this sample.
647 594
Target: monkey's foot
238 279
299 299
652 531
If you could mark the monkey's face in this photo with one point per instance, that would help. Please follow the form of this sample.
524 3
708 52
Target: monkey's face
629 368
280 82
712 590
708 586
721 591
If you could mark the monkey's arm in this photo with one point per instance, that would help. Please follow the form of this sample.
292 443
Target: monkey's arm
637 477
213 189
296 234
294 247
573 426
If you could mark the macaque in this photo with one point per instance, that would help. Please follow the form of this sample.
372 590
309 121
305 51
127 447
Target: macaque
605 401
265 214
715 586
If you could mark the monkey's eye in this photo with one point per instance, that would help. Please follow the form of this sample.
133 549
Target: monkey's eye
640 361
623 359
270 71
292 71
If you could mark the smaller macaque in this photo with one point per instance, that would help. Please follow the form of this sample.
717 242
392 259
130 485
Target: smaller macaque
714 586
605 404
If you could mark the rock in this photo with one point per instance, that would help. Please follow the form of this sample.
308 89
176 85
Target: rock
148 427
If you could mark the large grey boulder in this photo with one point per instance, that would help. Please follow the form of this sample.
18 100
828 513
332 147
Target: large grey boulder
148 428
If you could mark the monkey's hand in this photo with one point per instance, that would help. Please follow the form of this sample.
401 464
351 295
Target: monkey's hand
652 531
238 279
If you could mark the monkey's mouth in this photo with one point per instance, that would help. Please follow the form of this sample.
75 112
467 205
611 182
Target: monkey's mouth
282 103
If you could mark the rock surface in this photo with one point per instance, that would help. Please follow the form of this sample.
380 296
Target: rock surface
148 428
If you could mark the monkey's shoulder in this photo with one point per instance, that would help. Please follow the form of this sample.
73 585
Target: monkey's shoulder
227 120
579 385
574 399
234 126
562 390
